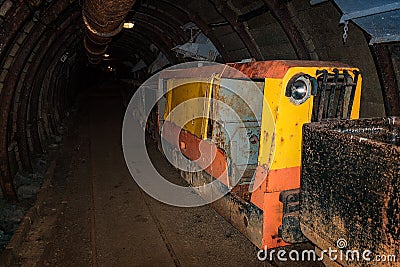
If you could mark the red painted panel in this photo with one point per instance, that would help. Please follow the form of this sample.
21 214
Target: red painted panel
212 160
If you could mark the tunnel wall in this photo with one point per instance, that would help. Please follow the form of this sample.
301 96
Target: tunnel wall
38 45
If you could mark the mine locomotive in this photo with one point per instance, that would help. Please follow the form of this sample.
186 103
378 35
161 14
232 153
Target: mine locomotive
267 203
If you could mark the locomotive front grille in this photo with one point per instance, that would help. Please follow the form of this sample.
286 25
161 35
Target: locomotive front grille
335 94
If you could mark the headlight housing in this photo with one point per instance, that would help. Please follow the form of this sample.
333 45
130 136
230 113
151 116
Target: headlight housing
299 89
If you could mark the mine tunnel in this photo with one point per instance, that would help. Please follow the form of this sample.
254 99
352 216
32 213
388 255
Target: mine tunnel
70 68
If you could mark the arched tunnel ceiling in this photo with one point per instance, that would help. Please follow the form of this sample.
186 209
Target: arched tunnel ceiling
226 24
218 20
42 56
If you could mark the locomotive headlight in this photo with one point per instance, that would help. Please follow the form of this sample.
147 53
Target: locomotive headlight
299 89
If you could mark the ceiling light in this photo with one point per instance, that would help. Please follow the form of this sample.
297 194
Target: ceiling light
129 25
106 55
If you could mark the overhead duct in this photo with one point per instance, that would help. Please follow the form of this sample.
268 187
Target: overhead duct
103 20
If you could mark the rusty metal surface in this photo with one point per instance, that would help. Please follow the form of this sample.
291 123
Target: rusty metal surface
254 70
278 68
350 185
290 230
335 95
387 78
242 145
218 165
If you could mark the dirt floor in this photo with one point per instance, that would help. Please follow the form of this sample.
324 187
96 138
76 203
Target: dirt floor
94 214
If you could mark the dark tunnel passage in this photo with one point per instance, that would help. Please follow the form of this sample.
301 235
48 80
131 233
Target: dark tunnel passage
69 62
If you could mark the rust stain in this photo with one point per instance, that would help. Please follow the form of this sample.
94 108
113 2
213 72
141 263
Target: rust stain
254 70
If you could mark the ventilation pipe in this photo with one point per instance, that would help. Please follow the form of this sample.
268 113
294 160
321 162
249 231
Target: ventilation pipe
103 19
